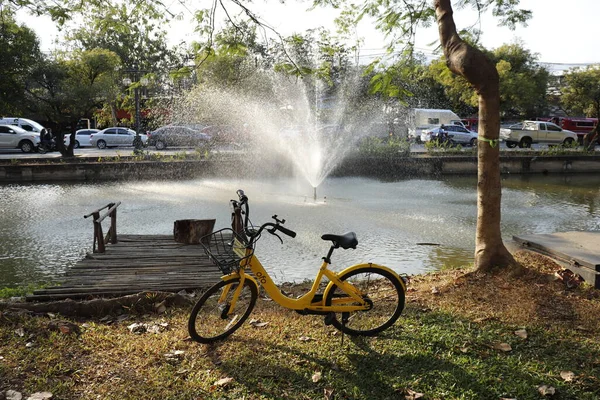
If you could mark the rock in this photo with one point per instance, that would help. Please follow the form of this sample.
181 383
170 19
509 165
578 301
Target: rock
13 395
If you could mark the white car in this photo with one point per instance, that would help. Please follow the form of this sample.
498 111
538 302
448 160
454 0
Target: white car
456 133
13 137
82 138
115 136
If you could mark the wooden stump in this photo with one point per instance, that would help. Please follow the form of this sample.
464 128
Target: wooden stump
189 231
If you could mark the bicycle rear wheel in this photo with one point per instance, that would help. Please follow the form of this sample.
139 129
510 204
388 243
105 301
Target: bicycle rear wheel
386 294
212 318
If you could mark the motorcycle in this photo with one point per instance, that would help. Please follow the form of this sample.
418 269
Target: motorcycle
47 146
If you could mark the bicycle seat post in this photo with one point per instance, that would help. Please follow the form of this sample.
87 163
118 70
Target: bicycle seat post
327 258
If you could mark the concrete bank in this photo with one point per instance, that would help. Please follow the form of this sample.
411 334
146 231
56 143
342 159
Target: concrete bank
428 165
82 169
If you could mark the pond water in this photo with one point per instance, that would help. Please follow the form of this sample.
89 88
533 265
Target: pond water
43 232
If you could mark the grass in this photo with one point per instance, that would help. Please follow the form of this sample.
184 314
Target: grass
445 346
7 293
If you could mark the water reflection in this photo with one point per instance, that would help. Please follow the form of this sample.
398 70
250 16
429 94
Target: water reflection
42 230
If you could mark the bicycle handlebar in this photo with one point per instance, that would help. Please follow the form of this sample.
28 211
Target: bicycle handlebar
287 231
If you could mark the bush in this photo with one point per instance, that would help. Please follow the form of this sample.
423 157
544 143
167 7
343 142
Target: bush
389 147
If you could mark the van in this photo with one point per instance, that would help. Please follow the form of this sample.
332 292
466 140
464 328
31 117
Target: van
23 123
422 119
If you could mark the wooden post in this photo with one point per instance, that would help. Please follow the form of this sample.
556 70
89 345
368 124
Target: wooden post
113 226
98 233
190 231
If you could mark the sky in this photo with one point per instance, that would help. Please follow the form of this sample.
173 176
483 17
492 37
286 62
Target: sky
562 36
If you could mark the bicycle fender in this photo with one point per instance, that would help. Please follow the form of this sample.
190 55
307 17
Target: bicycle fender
229 277
367 265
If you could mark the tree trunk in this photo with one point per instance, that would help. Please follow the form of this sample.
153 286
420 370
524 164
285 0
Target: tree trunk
590 138
475 67
190 231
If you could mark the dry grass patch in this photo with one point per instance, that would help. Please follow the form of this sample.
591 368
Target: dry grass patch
537 298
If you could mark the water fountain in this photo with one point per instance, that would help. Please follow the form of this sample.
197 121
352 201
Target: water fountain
302 120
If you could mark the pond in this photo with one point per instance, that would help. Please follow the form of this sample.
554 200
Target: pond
412 225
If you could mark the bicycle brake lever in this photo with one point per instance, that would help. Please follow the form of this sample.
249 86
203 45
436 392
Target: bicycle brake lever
272 232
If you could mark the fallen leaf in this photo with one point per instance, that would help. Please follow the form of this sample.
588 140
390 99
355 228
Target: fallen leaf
174 353
223 381
435 290
257 323
502 346
546 390
20 332
304 338
137 328
522 333
464 349
412 395
40 396
568 376
328 392
316 377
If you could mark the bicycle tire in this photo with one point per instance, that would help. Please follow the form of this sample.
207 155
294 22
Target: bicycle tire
207 318
386 287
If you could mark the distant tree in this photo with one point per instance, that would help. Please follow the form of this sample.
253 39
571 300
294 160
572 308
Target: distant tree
581 92
68 89
523 83
581 95
20 53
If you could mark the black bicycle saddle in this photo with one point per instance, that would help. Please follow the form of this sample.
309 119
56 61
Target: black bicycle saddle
346 241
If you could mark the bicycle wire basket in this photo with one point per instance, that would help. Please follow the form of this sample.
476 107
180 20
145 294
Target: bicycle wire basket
226 250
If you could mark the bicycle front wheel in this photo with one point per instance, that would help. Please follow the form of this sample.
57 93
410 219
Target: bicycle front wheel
213 317
382 289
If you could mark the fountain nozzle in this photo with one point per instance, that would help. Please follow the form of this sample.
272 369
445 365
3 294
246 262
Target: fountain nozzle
315 193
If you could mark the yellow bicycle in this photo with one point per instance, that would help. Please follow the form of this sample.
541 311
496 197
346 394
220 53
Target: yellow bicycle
363 299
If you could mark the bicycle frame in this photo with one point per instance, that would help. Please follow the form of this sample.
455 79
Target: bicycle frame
354 301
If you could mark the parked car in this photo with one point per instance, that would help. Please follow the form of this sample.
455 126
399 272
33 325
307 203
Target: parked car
82 138
456 133
177 136
223 134
13 137
537 132
115 136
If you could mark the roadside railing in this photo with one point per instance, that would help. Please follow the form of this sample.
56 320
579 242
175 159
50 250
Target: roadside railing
100 239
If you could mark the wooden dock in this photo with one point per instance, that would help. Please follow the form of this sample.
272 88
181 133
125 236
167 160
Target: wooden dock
134 264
